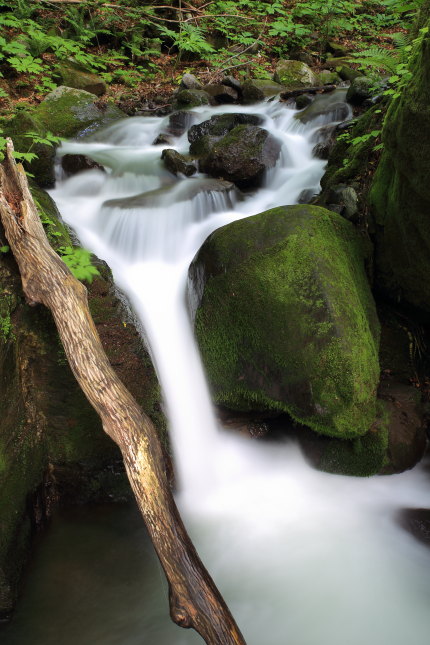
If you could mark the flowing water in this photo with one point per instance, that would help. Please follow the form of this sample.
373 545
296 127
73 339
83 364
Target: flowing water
302 557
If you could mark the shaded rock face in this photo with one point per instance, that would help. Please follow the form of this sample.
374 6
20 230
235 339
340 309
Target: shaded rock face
243 156
186 99
72 164
254 90
285 319
400 193
221 93
417 522
177 163
359 90
337 111
220 125
293 74
51 441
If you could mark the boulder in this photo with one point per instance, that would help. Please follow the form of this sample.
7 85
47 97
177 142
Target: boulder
285 319
325 112
400 192
303 100
254 90
294 74
221 93
177 163
348 73
179 122
360 90
242 156
73 74
221 124
189 82
186 99
326 77
346 198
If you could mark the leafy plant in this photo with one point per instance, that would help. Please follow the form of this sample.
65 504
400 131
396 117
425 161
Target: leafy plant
79 262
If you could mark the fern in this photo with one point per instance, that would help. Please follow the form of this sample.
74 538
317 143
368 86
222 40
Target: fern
377 58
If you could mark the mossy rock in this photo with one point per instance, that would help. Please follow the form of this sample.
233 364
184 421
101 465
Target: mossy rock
294 74
254 90
400 193
187 99
67 112
286 321
74 75
242 156
361 88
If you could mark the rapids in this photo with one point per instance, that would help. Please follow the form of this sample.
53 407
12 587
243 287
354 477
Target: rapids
301 557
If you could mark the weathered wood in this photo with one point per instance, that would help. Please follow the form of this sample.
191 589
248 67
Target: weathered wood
194 599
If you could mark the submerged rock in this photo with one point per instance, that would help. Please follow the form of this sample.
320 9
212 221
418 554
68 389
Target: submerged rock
285 319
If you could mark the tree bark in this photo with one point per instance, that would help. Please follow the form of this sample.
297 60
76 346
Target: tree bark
194 599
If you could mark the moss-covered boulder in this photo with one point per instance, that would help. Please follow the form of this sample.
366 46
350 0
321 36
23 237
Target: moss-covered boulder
361 88
400 193
66 113
73 74
52 445
243 156
187 99
294 74
285 319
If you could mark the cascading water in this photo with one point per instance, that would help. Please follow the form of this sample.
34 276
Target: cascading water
302 557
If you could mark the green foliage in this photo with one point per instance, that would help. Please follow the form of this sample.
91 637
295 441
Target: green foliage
79 262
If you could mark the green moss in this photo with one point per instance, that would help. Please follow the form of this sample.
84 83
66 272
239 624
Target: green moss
400 193
287 322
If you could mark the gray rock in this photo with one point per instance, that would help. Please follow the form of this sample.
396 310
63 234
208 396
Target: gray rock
180 121
220 124
191 98
73 74
303 101
294 73
254 90
221 93
190 82
73 164
345 197
331 112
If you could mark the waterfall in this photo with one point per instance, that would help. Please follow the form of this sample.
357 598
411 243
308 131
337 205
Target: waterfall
302 557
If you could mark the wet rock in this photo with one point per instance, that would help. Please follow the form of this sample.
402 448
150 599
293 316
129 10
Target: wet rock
303 101
348 73
189 82
72 164
325 140
326 77
306 196
282 308
254 90
327 112
183 191
162 139
177 163
221 93
191 98
180 121
221 124
360 90
230 81
417 522
407 435
242 156
293 74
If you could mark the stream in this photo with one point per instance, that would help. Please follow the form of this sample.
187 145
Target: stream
301 557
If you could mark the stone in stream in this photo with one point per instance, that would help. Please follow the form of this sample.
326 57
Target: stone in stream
254 90
242 156
73 164
221 93
333 111
360 90
177 163
285 319
220 124
183 191
294 74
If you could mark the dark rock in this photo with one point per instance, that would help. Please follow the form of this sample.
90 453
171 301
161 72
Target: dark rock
283 307
348 73
417 522
327 112
242 156
230 81
220 124
360 90
221 93
306 196
336 49
162 139
180 121
303 101
177 163
325 140
72 164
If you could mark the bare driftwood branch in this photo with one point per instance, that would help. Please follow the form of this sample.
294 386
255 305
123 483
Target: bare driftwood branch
194 599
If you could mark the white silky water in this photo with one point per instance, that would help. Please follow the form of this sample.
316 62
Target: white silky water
301 557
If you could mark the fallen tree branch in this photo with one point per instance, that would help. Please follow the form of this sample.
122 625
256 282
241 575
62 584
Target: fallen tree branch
194 599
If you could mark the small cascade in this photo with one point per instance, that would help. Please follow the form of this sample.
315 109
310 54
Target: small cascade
301 556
